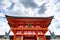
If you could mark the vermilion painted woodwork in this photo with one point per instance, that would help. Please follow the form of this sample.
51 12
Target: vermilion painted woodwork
19 26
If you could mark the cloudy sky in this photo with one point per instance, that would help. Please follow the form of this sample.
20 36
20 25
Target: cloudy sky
30 8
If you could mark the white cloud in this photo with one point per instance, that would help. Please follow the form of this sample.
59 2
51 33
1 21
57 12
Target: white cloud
5 3
40 2
2 15
4 27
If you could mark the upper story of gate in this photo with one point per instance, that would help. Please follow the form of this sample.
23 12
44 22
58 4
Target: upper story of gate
29 22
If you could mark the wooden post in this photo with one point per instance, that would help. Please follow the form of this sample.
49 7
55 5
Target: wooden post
44 37
36 33
22 37
37 38
22 34
14 36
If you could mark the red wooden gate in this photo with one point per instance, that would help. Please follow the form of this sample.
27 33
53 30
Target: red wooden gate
22 26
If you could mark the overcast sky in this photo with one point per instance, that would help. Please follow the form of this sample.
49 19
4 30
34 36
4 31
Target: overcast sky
30 8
